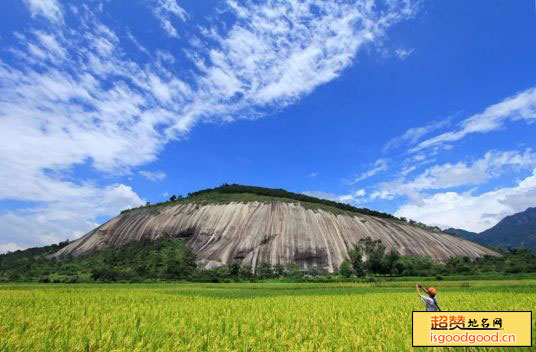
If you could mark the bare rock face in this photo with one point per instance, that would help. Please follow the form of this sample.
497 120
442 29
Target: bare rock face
274 232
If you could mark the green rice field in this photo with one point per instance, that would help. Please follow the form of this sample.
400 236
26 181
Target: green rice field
236 317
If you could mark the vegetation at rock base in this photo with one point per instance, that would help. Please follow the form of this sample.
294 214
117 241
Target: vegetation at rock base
169 260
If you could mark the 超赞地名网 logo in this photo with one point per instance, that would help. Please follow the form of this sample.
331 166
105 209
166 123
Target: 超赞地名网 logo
462 322
472 329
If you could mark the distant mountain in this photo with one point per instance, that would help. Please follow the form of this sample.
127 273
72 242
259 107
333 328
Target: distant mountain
514 231
518 230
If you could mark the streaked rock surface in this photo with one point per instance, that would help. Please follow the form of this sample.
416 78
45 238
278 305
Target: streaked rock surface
272 232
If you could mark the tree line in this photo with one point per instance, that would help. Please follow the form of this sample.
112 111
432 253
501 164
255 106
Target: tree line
281 193
277 193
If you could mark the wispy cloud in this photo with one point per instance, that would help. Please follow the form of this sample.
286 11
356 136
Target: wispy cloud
403 53
521 106
69 96
379 166
47 8
470 211
353 198
323 195
276 52
413 135
445 176
448 194
153 176
68 216
172 7
165 10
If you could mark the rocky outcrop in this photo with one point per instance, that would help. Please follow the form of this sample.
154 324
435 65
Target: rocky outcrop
257 232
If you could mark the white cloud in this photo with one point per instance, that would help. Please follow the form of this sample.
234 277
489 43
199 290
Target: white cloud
469 211
70 98
413 135
493 164
518 107
322 195
168 27
163 11
379 166
361 192
69 216
137 43
47 8
313 174
407 170
153 176
277 52
9 247
403 53
171 6
346 198
354 198
52 50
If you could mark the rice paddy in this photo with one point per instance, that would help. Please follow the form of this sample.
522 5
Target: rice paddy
235 317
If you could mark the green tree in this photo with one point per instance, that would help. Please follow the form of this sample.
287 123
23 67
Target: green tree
391 260
294 271
374 251
346 269
142 270
265 270
234 269
245 272
190 260
175 269
356 259
279 270
314 271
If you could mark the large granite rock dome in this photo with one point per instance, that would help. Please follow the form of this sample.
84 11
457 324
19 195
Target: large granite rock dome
269 231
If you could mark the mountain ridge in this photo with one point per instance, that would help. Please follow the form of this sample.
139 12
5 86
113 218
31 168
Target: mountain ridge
514 231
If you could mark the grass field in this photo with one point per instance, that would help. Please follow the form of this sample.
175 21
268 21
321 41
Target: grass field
235 317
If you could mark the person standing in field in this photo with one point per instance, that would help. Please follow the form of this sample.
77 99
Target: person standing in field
431 300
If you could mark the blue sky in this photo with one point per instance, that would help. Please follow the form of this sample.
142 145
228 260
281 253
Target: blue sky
424 109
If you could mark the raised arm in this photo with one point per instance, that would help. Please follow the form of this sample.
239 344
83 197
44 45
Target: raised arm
421 288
